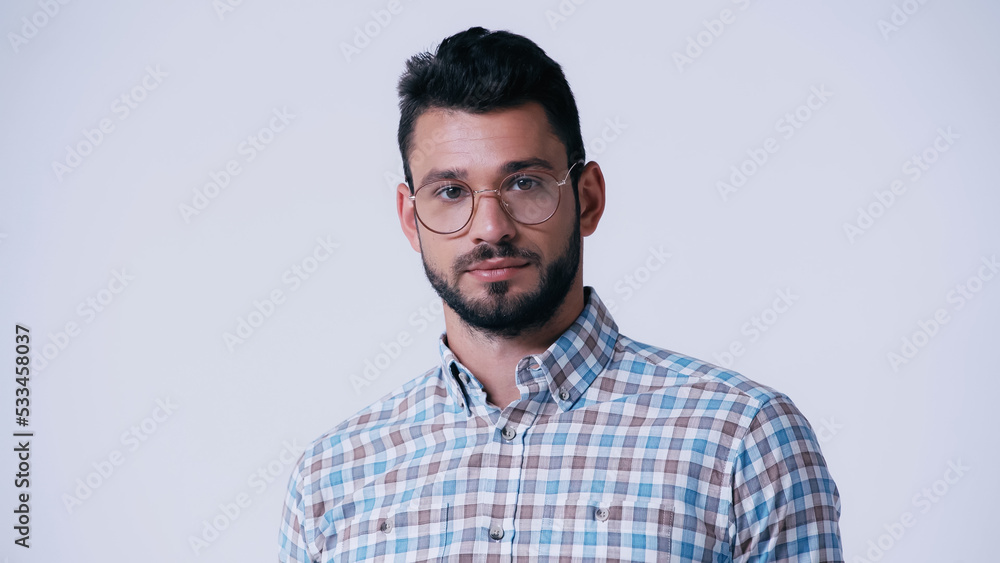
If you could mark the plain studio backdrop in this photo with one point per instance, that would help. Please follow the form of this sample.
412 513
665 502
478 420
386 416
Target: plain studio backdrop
198 228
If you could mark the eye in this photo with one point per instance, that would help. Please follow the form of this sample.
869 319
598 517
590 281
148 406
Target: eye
450 192
524 183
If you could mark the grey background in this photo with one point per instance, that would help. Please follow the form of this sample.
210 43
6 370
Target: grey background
888 434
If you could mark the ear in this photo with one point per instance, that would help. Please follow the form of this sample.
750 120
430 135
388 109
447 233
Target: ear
407 217
591 189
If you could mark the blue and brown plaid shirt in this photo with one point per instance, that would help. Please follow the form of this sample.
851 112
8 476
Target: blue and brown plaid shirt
616 450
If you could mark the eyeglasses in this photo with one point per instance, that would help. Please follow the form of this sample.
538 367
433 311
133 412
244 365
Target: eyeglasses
529 196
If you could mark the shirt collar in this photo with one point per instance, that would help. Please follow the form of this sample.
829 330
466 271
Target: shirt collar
569 365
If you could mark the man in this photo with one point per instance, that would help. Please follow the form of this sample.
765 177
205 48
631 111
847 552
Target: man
544 434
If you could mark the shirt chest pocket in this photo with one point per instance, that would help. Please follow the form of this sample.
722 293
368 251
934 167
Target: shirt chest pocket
608 530
415 531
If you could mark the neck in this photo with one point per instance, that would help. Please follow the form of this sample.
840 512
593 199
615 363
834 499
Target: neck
493 359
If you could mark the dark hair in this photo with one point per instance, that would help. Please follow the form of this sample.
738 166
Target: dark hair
478 71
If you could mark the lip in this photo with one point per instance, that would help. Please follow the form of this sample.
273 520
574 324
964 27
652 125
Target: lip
497 270
498 264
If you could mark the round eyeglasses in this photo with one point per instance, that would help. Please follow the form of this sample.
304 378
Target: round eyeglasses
529 196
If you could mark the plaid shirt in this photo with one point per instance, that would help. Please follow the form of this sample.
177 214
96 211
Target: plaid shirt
616 450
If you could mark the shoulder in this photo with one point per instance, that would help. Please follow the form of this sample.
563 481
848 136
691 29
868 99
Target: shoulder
333 468
653 367
755 418
784 498
344 445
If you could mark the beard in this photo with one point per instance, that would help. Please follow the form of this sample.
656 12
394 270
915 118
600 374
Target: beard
499 314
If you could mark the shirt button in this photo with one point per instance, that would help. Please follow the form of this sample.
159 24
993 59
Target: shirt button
533 366
563 394
508 434
496 532
601 514
385 526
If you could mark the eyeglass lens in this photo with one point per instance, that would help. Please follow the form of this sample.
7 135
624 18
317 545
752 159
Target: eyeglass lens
529 196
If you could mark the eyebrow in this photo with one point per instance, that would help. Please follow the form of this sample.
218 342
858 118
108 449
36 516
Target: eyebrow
508 168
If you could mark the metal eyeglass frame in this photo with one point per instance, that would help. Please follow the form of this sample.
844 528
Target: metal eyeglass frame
472 214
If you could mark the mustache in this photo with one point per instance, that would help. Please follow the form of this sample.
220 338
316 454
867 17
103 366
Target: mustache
486 251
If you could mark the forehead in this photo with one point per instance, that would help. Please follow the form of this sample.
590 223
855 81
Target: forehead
452 138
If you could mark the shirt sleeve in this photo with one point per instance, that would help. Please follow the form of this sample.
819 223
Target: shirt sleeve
786 506
292 546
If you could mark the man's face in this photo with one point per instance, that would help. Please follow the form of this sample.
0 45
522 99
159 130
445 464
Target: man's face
500 276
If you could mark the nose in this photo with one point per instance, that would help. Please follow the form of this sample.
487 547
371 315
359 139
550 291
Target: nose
490 221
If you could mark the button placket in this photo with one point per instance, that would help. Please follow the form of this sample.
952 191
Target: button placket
461 377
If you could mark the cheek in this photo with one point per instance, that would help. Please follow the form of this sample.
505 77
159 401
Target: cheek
562 229
437 256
